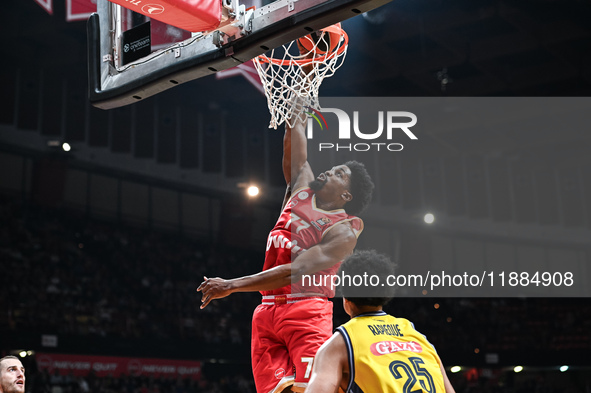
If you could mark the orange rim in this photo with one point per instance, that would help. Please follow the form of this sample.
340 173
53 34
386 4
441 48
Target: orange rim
339 50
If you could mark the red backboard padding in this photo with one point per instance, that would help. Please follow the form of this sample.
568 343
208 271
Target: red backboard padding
190 15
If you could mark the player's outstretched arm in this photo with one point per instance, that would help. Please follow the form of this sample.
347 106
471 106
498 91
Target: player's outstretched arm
217 288
338 243
296 169
331 368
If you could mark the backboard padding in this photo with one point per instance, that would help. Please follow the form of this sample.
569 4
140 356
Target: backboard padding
265 28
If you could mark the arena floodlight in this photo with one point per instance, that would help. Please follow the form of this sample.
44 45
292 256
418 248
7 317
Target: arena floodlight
252 191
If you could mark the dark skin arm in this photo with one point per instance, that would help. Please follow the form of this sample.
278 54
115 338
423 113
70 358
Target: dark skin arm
296 168
338 243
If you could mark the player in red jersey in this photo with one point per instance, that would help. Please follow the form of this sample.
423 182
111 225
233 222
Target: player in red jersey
317 229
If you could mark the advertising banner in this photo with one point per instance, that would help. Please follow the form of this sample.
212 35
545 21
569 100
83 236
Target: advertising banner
82 365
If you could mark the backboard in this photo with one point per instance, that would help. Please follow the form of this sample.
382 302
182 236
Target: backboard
115 81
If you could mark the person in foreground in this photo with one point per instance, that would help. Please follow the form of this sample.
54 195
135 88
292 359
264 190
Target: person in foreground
316 230
12 375
374 351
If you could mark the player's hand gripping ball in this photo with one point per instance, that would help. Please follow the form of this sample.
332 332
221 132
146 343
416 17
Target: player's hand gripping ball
322 41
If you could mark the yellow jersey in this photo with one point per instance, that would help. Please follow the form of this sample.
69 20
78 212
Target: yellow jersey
387 354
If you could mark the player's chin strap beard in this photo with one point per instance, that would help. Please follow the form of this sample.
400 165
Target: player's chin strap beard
316 185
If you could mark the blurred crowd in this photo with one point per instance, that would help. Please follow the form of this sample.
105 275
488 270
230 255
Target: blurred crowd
66 274
106 280
501 324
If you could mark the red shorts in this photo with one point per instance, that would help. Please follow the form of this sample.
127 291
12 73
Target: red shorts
285 338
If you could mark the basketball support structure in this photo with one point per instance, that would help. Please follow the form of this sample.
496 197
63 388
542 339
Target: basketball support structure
252 33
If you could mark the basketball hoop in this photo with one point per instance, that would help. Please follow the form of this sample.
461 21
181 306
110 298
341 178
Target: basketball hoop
291 79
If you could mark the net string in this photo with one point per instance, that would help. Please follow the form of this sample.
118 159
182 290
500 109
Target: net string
288 88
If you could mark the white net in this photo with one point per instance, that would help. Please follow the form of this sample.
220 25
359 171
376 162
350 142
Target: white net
291 79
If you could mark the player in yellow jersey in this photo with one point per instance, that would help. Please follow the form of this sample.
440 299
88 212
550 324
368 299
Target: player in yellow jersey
374 351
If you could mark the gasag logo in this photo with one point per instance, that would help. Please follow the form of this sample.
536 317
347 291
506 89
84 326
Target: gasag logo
387 347
391 127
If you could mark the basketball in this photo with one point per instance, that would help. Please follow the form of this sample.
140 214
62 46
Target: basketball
325 40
